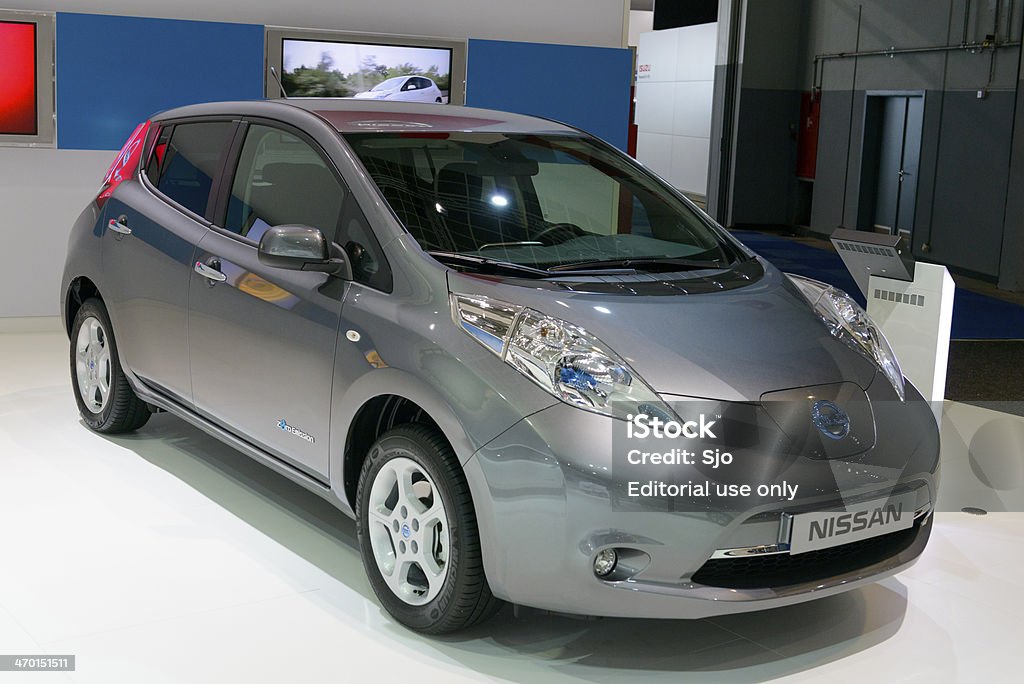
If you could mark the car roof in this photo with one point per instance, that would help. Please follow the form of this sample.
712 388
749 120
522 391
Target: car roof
362 116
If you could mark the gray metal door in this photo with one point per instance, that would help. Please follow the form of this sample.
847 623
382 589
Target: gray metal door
147 253
911 160
263 340
261 343
898 159
148 250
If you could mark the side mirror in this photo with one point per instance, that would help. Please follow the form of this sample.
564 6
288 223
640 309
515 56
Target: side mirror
301 248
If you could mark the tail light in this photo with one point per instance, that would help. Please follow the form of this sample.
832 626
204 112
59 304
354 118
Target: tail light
125 165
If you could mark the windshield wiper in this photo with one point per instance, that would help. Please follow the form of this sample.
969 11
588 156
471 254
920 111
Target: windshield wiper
495 265
664 264
511 268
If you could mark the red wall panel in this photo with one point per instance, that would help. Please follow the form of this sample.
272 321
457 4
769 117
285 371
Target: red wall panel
807 136
17 78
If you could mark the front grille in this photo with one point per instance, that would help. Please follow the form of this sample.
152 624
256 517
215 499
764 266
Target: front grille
780 570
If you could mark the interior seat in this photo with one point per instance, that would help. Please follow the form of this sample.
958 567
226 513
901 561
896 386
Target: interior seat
471 220
295 193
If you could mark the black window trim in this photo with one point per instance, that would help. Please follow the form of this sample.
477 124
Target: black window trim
215 182
156 129
221 194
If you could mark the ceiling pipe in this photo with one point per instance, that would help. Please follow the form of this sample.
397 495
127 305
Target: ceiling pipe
973 47
976 46
967 20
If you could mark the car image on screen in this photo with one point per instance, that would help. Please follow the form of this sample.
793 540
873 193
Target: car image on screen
367 71
404 89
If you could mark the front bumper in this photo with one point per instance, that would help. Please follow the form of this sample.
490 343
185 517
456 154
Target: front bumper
547 501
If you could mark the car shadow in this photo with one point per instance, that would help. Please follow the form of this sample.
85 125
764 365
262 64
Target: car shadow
525 644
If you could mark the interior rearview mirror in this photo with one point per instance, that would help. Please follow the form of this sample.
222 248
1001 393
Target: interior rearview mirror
302 248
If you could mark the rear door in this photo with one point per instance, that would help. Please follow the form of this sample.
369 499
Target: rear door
262 340
152 230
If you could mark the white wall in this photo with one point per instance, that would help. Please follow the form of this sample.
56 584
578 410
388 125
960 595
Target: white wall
640 21
571 22
42 191
674 88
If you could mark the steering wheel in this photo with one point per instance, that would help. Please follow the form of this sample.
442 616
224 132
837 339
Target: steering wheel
547 235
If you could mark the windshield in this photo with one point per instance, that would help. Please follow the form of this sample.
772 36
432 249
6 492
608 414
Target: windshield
541 201
389 84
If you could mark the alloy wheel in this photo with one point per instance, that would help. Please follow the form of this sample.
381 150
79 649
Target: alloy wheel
408 531
92 364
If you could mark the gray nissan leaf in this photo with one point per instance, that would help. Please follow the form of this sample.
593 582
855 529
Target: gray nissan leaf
531 370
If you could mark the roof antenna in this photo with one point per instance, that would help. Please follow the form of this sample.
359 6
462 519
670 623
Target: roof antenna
280 85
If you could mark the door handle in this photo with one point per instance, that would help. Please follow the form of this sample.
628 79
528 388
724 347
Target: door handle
120 225
210 272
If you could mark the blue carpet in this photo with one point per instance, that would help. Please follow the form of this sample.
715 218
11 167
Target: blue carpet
975 316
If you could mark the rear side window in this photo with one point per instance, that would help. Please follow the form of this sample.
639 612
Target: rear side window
184 165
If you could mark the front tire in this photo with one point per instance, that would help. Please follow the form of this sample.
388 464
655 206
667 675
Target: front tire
418 533
105 400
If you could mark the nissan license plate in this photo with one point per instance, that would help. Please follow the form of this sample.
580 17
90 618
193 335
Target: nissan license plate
824 529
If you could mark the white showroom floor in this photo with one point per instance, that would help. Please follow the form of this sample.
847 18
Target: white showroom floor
167 557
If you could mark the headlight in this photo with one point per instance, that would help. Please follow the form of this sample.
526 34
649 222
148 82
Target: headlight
850 323
563 358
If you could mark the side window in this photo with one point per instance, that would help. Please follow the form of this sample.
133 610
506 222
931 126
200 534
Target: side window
368 263
282 180
641 222
188 161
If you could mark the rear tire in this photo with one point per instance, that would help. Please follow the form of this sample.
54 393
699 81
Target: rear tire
105 400
421 548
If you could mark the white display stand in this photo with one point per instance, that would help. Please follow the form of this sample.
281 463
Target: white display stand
916 318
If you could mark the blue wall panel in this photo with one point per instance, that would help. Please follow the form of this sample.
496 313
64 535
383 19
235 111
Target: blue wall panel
587 87
114 72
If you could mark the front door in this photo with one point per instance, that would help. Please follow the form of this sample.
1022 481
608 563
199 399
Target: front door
262 340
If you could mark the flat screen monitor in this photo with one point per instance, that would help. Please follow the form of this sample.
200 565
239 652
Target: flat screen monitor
371 71
18 84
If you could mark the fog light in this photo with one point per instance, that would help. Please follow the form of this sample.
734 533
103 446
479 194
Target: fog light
604 562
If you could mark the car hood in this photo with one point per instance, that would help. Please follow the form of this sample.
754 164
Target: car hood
732 345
